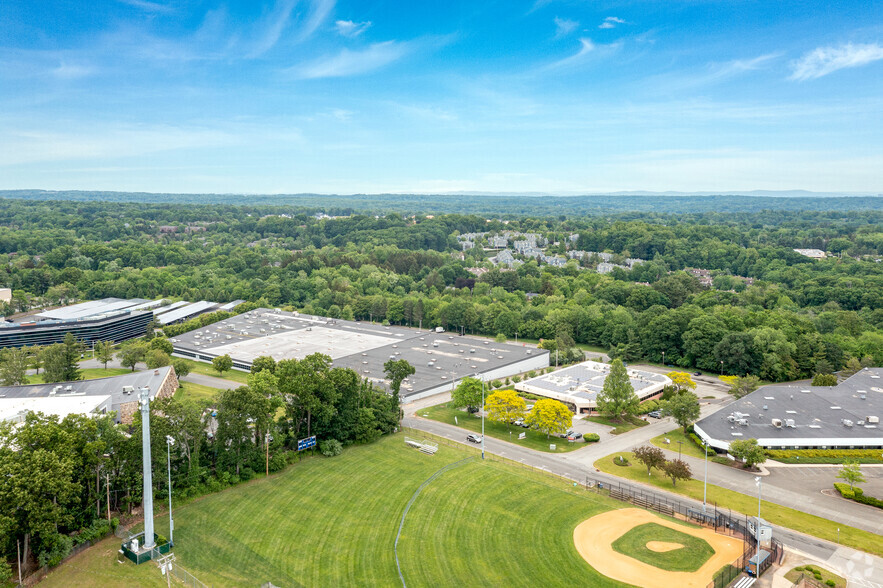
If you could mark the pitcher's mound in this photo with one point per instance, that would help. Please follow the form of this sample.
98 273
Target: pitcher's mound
594 538
662 546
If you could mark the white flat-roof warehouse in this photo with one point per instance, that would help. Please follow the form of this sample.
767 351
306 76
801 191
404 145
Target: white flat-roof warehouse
803 417
579 385
438 358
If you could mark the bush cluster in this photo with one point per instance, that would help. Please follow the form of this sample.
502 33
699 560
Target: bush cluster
592 438
824 455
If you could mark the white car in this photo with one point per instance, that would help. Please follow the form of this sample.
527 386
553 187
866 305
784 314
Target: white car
473 438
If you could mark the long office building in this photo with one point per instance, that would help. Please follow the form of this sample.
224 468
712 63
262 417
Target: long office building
110 319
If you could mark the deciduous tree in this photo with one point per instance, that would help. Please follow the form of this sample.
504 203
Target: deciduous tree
13 366
684 408
132 354
504 406
550 416
651 457
222 363
682 381
396 371
677 469
748 451
851 473
104 352
467 393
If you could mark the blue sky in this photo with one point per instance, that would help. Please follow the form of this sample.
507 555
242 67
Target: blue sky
507 96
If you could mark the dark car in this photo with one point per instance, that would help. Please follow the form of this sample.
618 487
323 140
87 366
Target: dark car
656 414
473 438
573 436
697 373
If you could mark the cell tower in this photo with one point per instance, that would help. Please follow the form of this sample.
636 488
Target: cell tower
144 401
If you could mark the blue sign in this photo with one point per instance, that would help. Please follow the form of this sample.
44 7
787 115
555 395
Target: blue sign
306 443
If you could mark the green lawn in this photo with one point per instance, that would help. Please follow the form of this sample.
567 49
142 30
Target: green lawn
191 391
206 369
776 514
88 374
687 446
333 522
689 558
619 426
534 440
794 575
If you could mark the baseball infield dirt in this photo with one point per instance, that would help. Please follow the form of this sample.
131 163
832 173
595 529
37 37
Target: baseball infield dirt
593 538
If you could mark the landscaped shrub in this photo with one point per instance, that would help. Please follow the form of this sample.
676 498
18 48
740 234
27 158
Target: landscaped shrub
330 448
825 455
831 583
844 490
592 438
869 500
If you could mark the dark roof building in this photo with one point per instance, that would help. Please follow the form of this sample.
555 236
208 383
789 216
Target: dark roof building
804 417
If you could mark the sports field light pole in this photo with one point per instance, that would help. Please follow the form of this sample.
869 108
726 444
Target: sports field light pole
758 481
169 443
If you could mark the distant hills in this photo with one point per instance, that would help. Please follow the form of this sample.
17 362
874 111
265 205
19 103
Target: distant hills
500 205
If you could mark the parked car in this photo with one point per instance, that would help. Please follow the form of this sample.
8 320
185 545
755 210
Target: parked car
473 438
563 435
573 436
697 373
656 414
518 422
525 424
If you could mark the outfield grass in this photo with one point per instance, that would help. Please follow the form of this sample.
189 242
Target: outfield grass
88 374
687 447
689 558
333 522
775 513
619 426
191 391
534 439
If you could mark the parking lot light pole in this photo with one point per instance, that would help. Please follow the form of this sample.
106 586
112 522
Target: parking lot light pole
482 418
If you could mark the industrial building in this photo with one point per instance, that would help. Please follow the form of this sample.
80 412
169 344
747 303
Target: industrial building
845 416
578 385
440 359
89 397
110 319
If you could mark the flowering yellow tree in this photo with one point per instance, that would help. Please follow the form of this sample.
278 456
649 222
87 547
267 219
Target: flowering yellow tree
504 406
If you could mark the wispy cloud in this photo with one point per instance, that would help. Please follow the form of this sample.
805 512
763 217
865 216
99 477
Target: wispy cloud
564 27
825 60
70 71
714 72
586 49
318 13
271 26
353 63
348 28
149 6
611 22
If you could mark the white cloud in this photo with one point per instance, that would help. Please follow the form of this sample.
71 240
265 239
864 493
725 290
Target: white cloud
586 48
271 27
825 60
352 63
320 10
348 28
564 27
68 71
611 22
149 6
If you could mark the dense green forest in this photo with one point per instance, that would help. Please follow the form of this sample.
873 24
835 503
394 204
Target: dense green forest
798 317
763 309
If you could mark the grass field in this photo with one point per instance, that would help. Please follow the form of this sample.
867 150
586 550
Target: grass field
689 558
198 367
534 439
88 374
687 446
333 522
191 391
619 427
776 514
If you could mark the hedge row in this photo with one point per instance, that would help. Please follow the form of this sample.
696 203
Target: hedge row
826 455
857 494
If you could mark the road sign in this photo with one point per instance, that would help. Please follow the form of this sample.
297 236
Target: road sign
306 443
